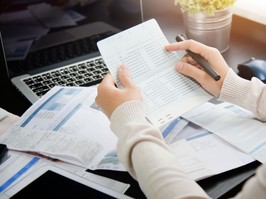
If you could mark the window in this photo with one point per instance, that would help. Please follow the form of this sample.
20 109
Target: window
251 9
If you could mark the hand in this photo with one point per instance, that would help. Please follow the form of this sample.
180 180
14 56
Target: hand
110 97
189 67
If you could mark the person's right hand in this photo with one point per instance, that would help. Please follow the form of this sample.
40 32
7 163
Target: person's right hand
190 68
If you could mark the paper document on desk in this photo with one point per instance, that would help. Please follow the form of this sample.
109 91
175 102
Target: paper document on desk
200 152
65 124
167 94
3 114
233 124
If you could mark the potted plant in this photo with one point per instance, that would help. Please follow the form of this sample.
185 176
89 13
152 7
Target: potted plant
208 21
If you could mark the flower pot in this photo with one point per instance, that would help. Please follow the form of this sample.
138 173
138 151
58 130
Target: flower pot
212 30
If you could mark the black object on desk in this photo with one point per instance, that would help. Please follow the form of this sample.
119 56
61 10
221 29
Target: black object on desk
253 68
52 185
3 153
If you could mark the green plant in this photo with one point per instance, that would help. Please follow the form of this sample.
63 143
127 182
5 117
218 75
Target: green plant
206 6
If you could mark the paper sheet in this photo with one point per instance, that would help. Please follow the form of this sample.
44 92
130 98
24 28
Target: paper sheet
65 124
15 168
7 120
167 94
236 127
201 153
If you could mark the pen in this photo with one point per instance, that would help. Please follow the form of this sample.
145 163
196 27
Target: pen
201 61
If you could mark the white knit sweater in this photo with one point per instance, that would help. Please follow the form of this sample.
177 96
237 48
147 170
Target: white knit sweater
143 151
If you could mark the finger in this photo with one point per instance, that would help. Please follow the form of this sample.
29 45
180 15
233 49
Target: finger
193 46
106 84
171 47
188 59
191 71
187 45
124 76
108 80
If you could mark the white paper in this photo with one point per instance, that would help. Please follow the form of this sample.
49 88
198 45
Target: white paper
201 153
64 124
7 120
3 114
241 130
15 168
109 183
167 94
187 158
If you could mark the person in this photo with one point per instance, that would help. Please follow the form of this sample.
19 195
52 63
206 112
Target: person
140 145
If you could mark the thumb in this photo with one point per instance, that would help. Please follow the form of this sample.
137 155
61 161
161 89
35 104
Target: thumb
124 76
190 71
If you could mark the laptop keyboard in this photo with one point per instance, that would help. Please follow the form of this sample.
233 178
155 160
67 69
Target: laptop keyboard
85 73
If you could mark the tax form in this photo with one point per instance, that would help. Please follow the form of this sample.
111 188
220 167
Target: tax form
65 124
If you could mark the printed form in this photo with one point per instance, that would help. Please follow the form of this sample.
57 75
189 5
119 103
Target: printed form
65 124
200 152
233 124
166 93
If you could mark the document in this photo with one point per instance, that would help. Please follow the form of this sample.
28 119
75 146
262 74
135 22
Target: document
200 152
167 94
15 168
3 114
6 120
65 124
21 165
233 124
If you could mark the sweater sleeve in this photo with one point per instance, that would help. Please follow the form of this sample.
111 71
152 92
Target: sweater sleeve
148 159
250 95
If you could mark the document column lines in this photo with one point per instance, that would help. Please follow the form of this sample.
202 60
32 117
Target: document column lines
40 107
69 115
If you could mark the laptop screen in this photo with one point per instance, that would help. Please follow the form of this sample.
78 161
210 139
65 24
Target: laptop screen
31 29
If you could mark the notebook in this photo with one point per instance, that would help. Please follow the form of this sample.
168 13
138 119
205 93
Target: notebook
68 56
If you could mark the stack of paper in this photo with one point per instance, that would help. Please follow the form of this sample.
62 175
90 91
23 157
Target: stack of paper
65 124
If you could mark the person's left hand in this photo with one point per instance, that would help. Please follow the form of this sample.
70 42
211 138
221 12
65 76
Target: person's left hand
110 97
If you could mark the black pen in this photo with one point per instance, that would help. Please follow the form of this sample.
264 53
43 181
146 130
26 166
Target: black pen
201 61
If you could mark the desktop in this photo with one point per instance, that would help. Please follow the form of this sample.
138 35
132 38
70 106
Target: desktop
242 47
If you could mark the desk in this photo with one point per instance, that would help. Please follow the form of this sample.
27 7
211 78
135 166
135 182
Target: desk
243 46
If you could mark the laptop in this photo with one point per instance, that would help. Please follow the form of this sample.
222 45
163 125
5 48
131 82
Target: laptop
68 56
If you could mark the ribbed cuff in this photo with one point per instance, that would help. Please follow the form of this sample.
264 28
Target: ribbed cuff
234 89
132 111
